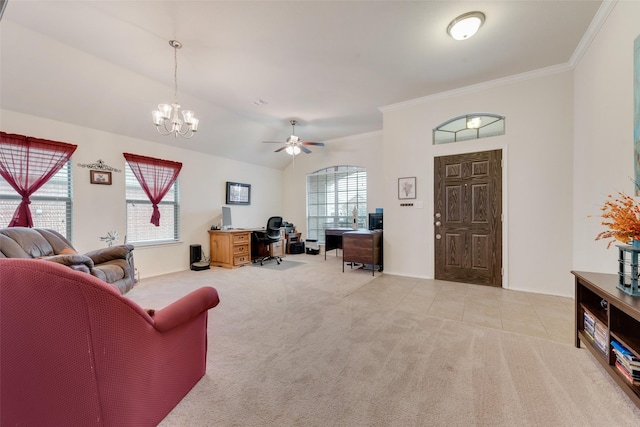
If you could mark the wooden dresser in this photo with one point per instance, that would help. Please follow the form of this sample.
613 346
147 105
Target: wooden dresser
230 248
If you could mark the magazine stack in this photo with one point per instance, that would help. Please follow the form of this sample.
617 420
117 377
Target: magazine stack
626 362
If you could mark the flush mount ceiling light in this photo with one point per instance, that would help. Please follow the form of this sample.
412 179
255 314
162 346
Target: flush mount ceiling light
465 25
166 117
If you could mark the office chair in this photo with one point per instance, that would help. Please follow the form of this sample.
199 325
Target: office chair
267 237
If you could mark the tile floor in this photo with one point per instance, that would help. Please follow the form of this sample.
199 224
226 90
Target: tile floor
543 316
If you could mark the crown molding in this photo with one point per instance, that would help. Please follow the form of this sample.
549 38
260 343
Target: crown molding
596 24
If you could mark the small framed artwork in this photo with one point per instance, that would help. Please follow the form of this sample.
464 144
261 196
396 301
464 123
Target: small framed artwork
407 188
238 194
100 177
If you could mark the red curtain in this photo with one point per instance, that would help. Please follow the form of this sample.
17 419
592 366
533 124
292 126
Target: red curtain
155 177
27 164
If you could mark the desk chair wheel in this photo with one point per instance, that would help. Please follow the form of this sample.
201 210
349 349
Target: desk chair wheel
278 259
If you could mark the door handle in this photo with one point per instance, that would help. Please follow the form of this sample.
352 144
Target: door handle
438 236
438 223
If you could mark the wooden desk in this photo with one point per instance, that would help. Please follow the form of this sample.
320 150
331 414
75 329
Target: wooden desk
229 248
362 247
333 239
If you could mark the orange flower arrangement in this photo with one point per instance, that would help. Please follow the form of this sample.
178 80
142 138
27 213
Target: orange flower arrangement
622 216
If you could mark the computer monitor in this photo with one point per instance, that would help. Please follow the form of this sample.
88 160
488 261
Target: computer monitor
375 221
226 218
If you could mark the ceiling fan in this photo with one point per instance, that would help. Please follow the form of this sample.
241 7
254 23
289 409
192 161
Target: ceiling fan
294 144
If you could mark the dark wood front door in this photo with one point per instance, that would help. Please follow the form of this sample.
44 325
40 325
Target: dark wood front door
468 218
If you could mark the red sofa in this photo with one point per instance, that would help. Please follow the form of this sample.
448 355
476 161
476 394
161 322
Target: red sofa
75 352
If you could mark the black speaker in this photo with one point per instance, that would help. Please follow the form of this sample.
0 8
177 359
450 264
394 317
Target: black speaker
195 255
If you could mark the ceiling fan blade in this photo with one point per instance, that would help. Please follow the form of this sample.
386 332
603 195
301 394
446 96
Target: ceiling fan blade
272 142
319 144
280 149
305 149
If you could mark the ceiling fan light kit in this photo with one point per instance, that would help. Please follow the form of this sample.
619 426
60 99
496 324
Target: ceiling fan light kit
167 117
466 25
293 150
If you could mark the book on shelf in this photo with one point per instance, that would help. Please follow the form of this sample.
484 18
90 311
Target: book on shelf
627 361
589 324
589 319
601 338
631 371
626 374
626 353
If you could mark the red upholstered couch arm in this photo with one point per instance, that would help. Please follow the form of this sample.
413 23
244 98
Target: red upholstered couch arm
186 308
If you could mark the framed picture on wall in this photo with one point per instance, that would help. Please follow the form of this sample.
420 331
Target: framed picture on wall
100 177
407 188
238 194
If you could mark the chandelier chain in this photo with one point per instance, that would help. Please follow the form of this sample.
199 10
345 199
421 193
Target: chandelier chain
175 74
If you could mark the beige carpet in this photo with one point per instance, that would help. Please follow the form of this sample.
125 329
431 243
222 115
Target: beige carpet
308 347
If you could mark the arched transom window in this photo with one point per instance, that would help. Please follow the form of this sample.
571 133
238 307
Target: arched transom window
469 126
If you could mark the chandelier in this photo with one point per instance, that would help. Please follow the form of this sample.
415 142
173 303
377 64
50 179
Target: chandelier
167 117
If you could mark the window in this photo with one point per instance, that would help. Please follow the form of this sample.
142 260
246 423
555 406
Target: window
332 194
139 209
469 126
51 205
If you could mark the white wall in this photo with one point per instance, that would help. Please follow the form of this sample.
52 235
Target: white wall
102 208
603 144
536 182
363 150
568 143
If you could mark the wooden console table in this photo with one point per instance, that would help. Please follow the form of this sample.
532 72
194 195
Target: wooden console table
616 316
362 247
229 248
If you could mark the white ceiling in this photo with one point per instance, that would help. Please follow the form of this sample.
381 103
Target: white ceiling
329 64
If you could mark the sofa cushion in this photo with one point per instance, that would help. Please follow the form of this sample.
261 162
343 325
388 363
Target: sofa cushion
9 248
31 242
58 242
111 271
